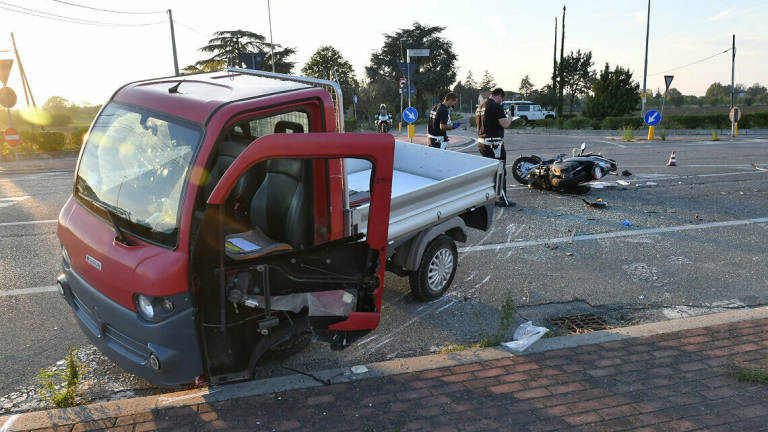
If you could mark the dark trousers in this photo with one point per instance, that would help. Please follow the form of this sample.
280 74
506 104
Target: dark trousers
487 151
435 143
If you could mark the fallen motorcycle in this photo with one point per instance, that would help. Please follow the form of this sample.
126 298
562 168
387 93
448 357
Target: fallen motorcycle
561 172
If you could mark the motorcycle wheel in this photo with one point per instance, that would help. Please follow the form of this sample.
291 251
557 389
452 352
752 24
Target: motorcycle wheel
523 163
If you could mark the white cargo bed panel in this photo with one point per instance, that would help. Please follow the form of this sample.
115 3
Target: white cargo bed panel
429 186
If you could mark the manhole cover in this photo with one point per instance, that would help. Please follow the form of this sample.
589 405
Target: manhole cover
580 323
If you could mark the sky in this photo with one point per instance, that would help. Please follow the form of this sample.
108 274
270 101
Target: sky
509 38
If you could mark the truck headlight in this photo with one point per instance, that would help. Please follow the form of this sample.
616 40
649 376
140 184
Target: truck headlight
145 307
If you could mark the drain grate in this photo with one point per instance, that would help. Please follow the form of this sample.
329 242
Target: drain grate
584 323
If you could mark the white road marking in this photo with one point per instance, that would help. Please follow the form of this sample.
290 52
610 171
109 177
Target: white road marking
27 291
615 234
38 222
7 202
8 423
613 143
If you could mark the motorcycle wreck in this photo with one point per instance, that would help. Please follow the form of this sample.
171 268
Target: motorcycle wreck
562 173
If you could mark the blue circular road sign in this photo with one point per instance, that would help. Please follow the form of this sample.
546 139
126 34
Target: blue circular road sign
410 114
652 117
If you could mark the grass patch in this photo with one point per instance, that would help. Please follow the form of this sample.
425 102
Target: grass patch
663 135
452 348
628 134
60 387
748 374
494 338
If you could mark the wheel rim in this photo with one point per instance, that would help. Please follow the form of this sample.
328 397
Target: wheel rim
524 169
440 269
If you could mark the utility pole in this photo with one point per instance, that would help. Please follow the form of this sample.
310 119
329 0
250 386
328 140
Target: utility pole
733 67
271 44
645 70
173 44
24 82
554 64
560 84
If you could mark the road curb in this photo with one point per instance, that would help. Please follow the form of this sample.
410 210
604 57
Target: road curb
125 407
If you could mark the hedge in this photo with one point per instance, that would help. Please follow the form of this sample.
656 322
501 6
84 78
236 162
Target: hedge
44 141
616 123
578 123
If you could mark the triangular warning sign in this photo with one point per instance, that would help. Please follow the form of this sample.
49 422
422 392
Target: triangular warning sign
668 80
5 70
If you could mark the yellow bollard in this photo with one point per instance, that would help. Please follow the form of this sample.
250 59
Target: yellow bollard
400 127
650 132
735 129
411 131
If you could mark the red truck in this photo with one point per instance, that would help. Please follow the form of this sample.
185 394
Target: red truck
215 217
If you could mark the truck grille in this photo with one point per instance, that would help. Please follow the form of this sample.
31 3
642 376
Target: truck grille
128 346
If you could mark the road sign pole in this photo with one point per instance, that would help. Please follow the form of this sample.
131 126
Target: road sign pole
10 125
645 69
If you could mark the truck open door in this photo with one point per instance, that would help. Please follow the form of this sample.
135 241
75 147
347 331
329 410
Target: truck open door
274 256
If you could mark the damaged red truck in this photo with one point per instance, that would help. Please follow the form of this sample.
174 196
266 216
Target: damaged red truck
218 216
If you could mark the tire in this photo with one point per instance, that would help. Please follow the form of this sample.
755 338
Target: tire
517 167
550 117
438 264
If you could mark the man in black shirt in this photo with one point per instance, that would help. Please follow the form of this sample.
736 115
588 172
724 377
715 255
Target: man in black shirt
440 122
491 121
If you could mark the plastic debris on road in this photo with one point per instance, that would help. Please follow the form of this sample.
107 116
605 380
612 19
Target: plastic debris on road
627 223
602 185
622 182
525 336
359 369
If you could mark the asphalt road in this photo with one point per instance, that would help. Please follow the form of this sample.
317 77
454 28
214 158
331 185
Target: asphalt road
698 243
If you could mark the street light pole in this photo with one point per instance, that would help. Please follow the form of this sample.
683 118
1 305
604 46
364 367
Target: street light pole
271 44
173 43
645 70
733 67
400 116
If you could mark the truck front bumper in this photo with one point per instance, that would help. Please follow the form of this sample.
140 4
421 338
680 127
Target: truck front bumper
129 341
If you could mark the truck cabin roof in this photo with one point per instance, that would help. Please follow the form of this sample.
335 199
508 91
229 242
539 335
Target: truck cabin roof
196 97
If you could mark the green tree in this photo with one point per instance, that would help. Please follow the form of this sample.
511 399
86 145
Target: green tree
614 93
226 46
545 96
577 75
488 82
57 103
326 59
434 74
675 97
469 81
526 86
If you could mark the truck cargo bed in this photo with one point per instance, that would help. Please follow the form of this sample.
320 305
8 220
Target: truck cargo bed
429 186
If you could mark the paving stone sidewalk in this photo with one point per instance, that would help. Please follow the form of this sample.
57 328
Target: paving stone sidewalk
677 381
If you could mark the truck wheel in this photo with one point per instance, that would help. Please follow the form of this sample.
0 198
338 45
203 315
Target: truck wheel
437 269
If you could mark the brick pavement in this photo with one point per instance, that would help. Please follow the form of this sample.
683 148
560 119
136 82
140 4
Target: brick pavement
670 382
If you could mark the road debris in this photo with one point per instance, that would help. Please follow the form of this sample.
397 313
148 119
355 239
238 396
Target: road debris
626 173
525 336
596 204
622 182
627 223
754 165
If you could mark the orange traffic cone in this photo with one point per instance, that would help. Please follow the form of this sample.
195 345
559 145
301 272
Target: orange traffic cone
672 160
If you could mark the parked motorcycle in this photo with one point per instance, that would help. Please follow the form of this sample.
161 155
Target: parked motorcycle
562 172
383 123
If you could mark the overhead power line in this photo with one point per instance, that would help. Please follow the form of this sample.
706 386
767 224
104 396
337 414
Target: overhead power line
107 10
72 20
692 63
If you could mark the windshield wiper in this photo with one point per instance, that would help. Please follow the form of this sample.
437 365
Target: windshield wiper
111 212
